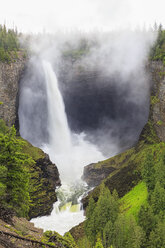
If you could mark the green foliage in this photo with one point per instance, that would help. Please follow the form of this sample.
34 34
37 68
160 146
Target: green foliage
148 172
14 180
151 217
154 100
157 51
106 209
159 123
157 236
70 239
146 219
146 202
131 203
108 233
158 198
127 234
3 127
66 241
99 244
9 44
76 53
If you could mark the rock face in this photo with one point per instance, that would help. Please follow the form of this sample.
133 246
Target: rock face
44 174
10 75
123 178
157 108
44 180
97 103
123 171
94 175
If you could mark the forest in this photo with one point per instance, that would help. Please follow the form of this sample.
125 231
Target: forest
109 222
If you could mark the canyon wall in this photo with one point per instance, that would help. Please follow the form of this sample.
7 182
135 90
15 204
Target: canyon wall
10 75
44 174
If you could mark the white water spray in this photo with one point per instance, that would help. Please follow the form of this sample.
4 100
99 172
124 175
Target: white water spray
60 138
71 152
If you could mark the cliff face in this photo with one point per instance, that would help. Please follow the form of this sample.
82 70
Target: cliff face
154 130
44 174
122 172
44 178
101 105
10 75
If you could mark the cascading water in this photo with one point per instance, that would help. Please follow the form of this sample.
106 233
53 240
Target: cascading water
60 137
71 152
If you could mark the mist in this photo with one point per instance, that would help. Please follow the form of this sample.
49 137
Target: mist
103 80
53 15
84 97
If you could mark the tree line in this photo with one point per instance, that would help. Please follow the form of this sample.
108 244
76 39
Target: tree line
9 44
107 227
14 168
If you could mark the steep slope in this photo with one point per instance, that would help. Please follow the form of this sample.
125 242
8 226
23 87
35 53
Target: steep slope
18 232
122 172
10 75
44 174
43 182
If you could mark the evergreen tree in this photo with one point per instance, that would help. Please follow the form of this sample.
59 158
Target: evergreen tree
160 170
106 209
15 172
99 244
157 236
108 234
127 234
146 219
148 172
9 44
90 223
158 199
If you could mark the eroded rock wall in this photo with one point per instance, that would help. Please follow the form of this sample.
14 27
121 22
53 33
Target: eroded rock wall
126 166
157 114
44 174
10 75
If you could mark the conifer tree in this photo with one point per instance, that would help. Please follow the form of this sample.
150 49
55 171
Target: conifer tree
16 176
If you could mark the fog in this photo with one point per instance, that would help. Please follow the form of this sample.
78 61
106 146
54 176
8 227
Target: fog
84 95
103 80
52 15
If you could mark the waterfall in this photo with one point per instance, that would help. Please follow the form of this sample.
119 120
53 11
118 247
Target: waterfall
69 151
59 133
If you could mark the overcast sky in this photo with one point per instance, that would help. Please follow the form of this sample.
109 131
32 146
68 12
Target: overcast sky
53 15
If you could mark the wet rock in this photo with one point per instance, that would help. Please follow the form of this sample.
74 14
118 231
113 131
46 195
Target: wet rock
10 75
45 179
93 175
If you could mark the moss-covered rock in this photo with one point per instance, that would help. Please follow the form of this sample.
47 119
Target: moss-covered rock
153 132
55 238
125 176
22 233
44 178
123 171
10 75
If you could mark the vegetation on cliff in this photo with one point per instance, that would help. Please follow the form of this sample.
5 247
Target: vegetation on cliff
9 44
28 178
157 52
14 179
133 215
137 219
138 177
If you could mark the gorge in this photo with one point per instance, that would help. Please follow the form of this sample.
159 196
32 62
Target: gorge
98 101
82 109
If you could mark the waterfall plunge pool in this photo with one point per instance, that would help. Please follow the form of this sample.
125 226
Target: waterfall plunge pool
70 152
